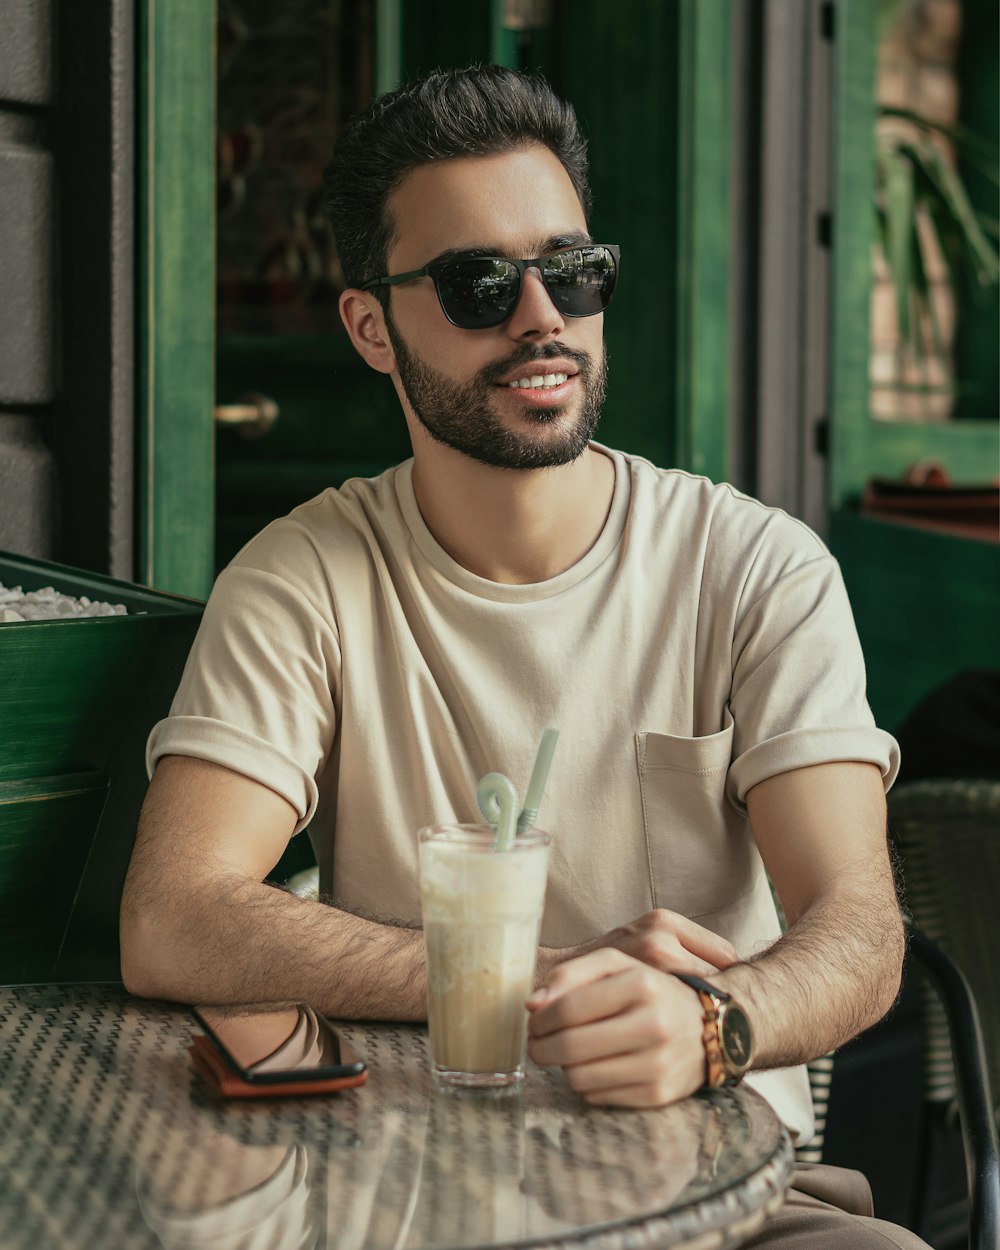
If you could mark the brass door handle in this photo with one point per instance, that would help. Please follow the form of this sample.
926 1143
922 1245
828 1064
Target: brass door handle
253 416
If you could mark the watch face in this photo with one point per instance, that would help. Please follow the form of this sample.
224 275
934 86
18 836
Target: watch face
735 1038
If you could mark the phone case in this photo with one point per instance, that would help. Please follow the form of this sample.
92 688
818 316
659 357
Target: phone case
210 1063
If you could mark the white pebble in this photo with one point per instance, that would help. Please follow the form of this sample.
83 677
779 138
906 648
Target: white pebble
48 604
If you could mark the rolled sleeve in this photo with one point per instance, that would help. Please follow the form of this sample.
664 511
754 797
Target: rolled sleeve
804 747
260 690
798 691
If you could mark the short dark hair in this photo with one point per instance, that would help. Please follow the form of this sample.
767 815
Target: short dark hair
483 110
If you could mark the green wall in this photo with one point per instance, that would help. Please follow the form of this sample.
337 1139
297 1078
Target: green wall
927 607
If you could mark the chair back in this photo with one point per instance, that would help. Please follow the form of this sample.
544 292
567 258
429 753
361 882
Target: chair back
947 834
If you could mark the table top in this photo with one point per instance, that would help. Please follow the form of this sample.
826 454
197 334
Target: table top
109 1137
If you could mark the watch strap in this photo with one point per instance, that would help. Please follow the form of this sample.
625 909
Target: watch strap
703 987
712 1001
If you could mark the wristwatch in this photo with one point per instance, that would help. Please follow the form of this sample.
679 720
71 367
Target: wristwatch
727 1035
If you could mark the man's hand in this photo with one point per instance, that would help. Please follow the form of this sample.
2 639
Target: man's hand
662 939
625 1033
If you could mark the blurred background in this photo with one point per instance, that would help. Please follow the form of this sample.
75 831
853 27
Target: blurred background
805 194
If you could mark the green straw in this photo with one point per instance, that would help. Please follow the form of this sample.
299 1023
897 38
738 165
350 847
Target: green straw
498 800
539 776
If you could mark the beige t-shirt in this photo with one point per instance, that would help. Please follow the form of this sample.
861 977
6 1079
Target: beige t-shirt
703 644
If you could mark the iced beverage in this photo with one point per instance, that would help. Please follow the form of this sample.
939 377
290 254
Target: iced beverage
481 912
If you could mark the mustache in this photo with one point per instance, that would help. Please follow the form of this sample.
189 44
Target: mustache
527 353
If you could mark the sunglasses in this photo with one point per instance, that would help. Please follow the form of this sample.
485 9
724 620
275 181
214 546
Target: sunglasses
477 292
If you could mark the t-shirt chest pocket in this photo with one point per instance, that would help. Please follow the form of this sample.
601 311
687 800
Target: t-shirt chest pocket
701 852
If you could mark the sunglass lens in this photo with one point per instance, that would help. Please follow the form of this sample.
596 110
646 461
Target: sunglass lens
476 294
581 280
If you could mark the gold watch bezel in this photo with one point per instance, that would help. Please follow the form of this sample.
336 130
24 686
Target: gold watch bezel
720 1068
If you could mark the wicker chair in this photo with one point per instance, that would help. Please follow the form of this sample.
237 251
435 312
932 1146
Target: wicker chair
947 836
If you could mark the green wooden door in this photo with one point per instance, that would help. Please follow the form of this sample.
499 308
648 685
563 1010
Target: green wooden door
287 81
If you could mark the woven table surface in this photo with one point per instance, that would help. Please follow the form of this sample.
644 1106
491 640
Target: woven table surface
109 1138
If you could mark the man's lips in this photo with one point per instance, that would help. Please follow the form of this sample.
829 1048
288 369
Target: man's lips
538 373
547 394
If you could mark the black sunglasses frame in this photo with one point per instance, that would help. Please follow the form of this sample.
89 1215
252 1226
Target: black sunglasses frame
435 268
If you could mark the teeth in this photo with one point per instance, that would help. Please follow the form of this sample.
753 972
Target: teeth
537 382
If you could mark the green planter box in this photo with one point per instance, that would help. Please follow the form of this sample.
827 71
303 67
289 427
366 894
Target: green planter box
77 700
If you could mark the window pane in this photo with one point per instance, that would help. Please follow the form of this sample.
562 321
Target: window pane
289 75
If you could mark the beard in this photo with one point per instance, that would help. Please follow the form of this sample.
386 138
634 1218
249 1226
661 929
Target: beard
461 415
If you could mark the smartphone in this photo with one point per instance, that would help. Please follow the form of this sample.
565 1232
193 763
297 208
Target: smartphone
261 1049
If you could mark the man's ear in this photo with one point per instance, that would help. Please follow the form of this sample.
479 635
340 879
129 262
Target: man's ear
365 321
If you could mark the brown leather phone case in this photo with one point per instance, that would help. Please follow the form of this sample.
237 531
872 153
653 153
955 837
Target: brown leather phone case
228 1082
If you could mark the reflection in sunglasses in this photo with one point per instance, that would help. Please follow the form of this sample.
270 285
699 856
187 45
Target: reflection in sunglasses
479 292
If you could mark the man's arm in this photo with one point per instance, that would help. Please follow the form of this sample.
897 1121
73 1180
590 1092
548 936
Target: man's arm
631 1035
822 835
199 925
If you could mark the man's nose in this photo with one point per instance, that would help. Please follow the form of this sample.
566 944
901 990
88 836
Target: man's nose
535 318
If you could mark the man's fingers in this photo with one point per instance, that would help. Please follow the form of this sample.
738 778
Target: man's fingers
601 999
617 1033
615 1072
694 966
646 1095
574 973
673 943
706 945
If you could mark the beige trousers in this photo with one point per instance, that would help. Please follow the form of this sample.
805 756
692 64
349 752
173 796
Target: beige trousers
830 1208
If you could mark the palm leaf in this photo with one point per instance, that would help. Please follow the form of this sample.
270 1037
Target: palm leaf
916 183
898 198
976 242
978 151
927 306
936 335
989 225
946 182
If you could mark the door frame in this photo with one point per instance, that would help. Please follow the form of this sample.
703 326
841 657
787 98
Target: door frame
175 305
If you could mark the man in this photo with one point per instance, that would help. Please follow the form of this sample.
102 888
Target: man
366 659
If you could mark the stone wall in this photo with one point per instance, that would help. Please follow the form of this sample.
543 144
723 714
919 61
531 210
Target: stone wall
28 379
67 260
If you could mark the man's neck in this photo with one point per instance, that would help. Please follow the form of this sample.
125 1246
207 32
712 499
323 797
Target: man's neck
513 526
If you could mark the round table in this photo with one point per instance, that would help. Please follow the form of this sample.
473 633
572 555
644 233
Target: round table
110 1138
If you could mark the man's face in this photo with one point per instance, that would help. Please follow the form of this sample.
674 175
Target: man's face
457 383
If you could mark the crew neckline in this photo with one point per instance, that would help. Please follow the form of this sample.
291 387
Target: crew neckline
503 592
